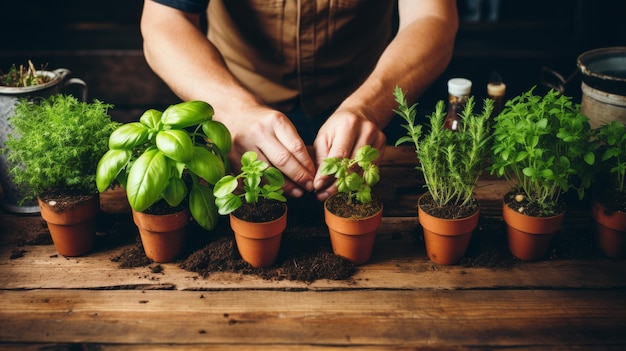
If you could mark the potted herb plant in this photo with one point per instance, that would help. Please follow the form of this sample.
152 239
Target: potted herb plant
167 163
451 162
25 82
543 147
53 149
353 215
258 212
609 206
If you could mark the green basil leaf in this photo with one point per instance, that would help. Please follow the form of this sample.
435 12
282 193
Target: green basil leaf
148 177
128 136
151 119
274 176
109 166
225 186
187 114
175 144
218 134
175 191
206 165
202 206
248 158
227 204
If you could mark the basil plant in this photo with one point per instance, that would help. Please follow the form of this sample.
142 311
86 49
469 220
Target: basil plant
164 154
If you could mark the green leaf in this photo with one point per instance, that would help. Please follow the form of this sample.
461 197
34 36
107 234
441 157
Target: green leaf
128 136
206 165
202 206
367 153
109 166
329 166
274 176
148 177
225 186
175 191
175 144
218 134
151 119
187 114
354 181
248 158
590 158
228 203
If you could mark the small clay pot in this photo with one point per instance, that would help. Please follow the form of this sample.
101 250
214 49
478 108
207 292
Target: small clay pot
611 231
446 240
352 238
529 237
73 230
163 236
258 242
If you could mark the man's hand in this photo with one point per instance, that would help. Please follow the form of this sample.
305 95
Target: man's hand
274 138
342 135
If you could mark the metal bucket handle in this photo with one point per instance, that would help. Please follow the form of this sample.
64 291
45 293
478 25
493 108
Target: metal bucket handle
63 73
554 80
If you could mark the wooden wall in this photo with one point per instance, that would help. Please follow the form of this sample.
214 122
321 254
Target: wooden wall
100 42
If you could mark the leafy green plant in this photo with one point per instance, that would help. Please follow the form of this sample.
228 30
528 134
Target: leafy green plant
357 184
253 173
451 161
23 76
612 137
55 144
157 157
543 146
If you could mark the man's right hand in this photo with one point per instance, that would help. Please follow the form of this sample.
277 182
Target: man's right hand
274 138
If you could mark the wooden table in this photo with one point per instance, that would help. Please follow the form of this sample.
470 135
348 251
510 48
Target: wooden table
399 300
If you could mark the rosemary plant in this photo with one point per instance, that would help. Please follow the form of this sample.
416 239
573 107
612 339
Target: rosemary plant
451 161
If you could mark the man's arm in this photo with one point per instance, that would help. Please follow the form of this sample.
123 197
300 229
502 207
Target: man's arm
417 55
191 65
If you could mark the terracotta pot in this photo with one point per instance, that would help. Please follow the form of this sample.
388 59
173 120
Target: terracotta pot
446 240
352 238
163 236
611 231
73 230
258 242
529 237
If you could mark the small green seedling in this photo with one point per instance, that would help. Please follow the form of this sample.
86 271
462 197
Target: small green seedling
253 172
357 185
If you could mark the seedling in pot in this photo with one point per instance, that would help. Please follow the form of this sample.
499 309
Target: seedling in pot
253 173
356 184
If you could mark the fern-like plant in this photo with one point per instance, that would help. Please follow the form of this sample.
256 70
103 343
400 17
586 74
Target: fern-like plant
451 161
55 145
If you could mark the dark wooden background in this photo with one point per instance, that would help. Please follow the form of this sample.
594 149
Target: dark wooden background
100 42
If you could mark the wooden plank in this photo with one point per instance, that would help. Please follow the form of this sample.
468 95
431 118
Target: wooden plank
359 317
